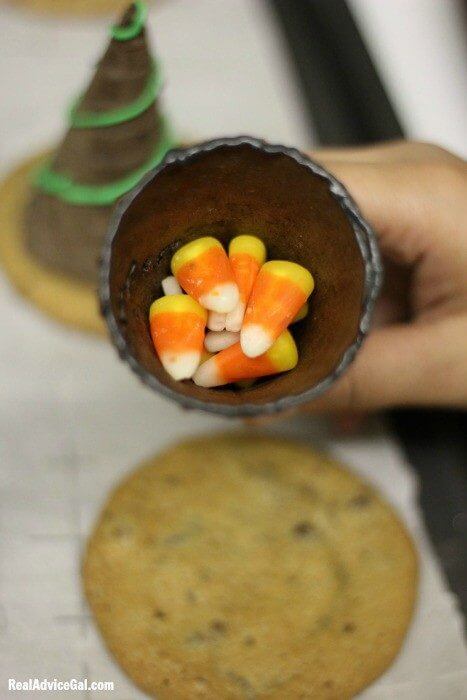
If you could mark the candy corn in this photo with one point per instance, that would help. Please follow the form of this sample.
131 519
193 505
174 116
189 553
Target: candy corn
246 254
177 325
214 342
216 322
232 365
245 303
205 356
170 286
245 384
302 313
203 270
279 291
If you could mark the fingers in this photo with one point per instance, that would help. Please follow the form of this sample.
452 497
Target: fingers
405 365
387 152
415 209
360 154
408 192
414 196
396 202
418 364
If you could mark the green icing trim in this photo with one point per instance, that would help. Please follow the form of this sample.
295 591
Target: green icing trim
133 29
111 117
72 192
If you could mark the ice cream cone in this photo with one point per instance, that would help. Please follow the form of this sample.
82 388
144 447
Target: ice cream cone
226 188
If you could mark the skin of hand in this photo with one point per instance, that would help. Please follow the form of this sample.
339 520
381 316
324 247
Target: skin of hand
415 197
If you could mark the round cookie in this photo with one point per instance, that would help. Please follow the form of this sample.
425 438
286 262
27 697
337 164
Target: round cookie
243 566
75 7
67 300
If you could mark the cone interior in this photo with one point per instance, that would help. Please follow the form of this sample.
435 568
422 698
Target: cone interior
68 237
225 192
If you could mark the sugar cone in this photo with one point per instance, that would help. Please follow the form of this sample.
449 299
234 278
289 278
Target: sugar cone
303 215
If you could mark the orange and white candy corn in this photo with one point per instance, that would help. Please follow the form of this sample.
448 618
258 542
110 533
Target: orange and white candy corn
170 286
232 365
302 313
177 324
215 342
216 322
247 254
279 291
203 270
205 356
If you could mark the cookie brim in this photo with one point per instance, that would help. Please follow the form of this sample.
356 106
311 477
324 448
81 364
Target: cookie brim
80 8
66 300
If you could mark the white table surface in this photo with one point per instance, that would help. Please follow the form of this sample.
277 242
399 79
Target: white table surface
73 420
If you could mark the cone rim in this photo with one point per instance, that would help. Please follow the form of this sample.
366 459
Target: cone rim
364 235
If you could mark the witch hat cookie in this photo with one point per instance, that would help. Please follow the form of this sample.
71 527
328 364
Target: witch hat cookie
57 213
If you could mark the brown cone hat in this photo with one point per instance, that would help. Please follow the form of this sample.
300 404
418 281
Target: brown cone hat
65 233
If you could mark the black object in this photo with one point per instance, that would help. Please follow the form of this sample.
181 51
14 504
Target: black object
436 444
301 212
347 104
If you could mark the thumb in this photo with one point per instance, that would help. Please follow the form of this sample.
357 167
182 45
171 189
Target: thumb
396 200
402 365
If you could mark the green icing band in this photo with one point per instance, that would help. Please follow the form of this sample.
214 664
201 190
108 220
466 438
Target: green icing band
88 120
136 25
72 192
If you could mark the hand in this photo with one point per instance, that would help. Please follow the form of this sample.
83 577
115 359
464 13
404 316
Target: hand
415 196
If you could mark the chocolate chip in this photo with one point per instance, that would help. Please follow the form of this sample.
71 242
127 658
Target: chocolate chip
243 683
303 528
119 531
264 469
160 614
307 491
249 641
349 627
205 575
328 684
218 626
323 622
360 501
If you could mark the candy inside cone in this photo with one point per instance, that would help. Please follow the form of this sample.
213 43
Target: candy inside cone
177 324
247 254
215 342
280 290
234 319
205 356
216 321
302 313
232 365
203 270
170 286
